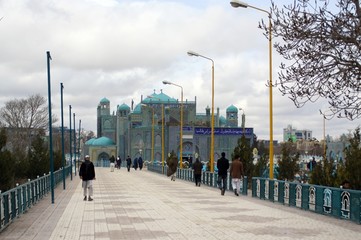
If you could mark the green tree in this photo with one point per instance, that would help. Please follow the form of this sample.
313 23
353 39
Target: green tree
321 46
244 150
324 173
288 164
353 160
7 166
260 166
38 158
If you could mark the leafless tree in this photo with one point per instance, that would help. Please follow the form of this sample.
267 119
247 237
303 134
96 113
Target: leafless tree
321 45
24 118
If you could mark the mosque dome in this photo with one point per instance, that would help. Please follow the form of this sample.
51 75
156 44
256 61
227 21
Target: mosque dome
138 109
232 108
90 141
104 100
159 98
102 141
222 120
123 107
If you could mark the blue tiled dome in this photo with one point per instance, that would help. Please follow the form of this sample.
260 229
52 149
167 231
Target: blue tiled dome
232 108
161 97
103 141
90 141
104 100
138 109
123 107
222 120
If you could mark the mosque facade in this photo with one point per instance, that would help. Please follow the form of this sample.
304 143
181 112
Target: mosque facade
139 131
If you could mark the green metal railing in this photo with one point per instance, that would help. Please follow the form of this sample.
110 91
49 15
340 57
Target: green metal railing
18 200
336 202
208 178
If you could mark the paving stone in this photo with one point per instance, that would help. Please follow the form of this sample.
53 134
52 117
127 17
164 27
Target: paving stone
145 205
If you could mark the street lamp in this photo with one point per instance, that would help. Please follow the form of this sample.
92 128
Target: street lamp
70 145
243 124
235 4
48 58
191 53
181 124
152 150
324 131
162 131
62 133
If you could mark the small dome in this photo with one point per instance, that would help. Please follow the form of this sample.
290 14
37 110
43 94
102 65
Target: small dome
222 120
90 141
232 108
104 100
123 107
138 109
103 141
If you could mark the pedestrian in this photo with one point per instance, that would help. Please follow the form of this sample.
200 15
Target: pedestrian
197 168
129 162
135 163
87 175
236 172
222 165
172 162
140 163
119 162
112 163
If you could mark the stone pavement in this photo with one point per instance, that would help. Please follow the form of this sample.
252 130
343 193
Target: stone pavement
146 205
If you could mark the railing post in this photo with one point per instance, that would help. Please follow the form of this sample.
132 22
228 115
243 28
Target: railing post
20 205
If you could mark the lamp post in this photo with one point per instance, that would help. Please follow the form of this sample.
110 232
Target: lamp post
48 58
79 143
324 131
70 146
152 149
236 4
74 144
162 132
243 124
181 124
191 53
62 133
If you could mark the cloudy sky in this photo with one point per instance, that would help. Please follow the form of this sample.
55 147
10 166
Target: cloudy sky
122 50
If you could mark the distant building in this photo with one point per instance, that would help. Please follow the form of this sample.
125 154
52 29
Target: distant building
138 132
294 135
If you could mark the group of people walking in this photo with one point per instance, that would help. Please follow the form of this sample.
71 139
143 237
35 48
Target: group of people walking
236 173
87 172
137 162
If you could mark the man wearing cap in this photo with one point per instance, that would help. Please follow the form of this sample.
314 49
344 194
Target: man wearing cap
87 174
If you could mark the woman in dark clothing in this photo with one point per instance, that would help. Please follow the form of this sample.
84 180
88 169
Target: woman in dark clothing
135 163
172 162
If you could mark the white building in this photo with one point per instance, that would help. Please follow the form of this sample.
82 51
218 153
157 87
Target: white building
295 135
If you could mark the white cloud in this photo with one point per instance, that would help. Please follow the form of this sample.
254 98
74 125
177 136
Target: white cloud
124 49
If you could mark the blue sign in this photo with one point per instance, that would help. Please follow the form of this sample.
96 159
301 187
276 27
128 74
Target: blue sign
223 131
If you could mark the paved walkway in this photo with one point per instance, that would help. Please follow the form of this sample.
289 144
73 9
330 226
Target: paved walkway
146 205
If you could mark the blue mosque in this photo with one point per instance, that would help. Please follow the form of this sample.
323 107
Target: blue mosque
153 127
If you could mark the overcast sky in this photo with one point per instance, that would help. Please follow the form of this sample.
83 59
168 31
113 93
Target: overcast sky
124 49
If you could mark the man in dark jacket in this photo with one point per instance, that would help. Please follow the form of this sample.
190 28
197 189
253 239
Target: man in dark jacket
87 174
197 168
129 162
222 165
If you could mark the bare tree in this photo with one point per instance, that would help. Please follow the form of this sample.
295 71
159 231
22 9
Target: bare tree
321 44
24 118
